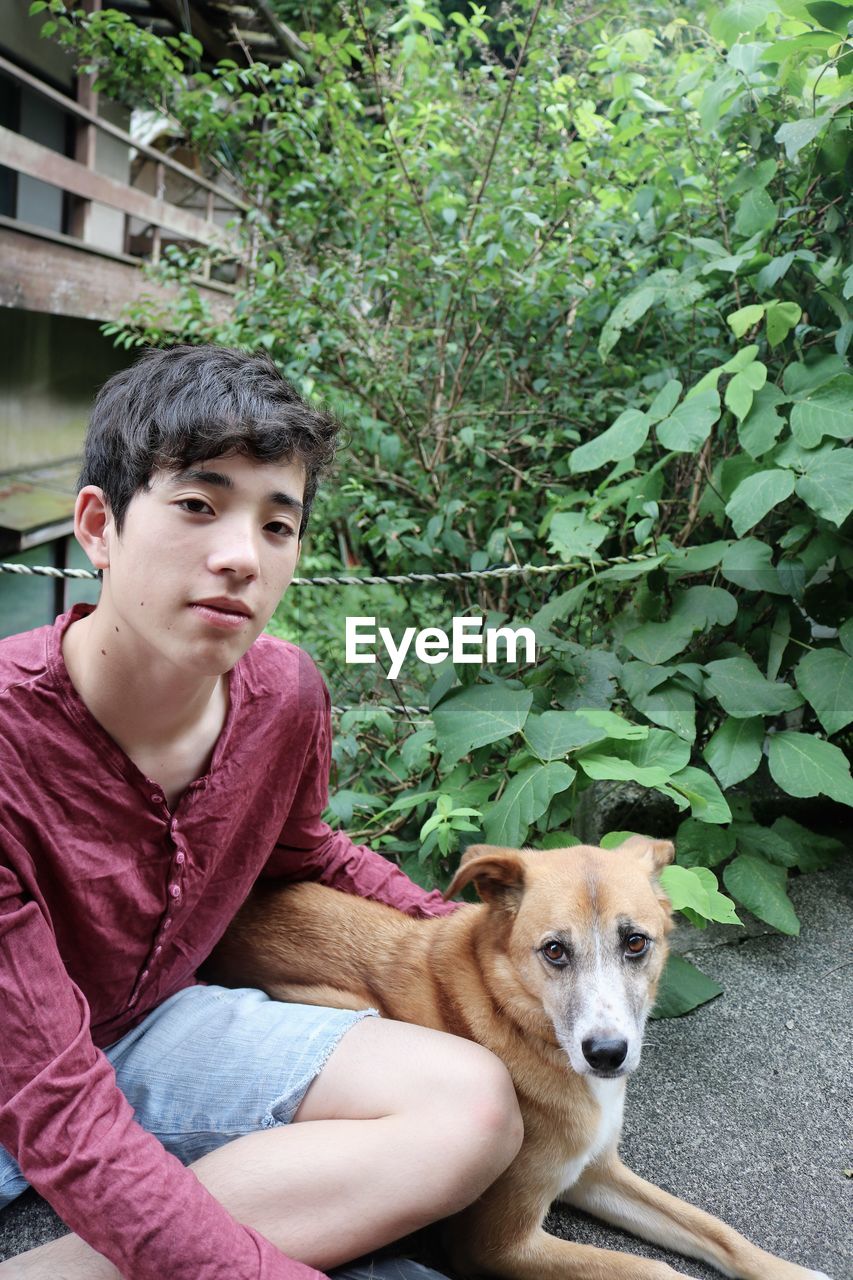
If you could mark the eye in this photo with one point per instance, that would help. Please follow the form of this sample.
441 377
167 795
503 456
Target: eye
636 944
280 529
195 506
555 953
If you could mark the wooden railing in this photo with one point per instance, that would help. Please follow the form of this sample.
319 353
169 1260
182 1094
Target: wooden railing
25 156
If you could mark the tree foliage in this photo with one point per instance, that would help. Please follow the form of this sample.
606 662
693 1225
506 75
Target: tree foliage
579 282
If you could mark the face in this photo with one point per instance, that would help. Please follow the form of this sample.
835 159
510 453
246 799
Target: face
203 559
599 944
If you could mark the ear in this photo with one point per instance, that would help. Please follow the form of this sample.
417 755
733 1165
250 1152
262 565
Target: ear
652 854
498 874
93 525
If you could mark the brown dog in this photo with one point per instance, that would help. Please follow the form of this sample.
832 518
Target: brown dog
555 973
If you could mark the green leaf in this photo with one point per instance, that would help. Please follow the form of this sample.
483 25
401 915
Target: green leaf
762 426
623 438
760 886
797 134
554 733
756 495
803 377
739 396
825 677
699 845
741 18
749 564
665 401
687 560
599 764
804 765
756 213
765 843
573 535
670 706
721 907
686 430
845 635
814 852
831 16
741 390
694 610
828 411
707 802
526 798
741 359
742 691
343 803
661 749
685 889
477 716
695 889
745 318
682 988
614 726
656 642
827 485
781 319
625 314
734 750
561 608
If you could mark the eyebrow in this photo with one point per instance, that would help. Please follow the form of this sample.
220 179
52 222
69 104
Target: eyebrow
219 480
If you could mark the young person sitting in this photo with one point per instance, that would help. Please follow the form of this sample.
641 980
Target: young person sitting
159 754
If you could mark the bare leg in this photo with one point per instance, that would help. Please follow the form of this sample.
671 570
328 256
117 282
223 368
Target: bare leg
403 1126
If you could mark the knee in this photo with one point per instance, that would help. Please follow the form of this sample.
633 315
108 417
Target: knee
482 1113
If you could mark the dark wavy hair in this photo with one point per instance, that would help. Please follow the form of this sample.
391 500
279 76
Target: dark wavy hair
182 405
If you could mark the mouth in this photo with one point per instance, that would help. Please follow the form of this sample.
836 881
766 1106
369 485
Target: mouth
230 615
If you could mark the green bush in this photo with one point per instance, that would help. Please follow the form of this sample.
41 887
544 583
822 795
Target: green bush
579 283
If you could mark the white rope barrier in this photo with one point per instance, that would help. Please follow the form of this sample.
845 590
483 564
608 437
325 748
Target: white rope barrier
394 579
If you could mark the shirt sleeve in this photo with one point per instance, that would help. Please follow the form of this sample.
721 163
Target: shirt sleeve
308 848
72 1131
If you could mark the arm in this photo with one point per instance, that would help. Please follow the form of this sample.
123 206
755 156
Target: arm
73 1133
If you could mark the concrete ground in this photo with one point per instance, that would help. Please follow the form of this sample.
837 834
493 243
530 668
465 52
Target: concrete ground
742 1107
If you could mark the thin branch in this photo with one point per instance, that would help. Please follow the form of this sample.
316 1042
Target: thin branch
371 53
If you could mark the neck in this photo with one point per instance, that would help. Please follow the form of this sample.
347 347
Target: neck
137 700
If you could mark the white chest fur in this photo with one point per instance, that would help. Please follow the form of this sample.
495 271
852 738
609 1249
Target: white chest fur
610 1097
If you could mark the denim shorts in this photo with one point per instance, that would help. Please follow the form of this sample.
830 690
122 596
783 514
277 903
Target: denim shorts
213 1063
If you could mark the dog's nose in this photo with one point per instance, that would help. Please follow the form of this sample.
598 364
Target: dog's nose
605 1055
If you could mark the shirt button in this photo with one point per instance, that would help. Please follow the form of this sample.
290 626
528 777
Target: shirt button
144 973
157 950
167 923
175 890
180 857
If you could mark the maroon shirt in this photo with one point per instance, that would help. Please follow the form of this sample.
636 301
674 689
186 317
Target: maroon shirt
108 904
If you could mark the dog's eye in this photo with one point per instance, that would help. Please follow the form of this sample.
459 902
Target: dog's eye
636 944
555 952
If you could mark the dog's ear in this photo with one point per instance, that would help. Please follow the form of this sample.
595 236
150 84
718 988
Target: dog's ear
498 874
654 855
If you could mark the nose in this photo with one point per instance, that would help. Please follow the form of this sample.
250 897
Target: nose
235 550
605 1055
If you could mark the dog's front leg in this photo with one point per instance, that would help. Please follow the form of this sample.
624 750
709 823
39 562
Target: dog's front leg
610 1191
501 1235
540 1256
